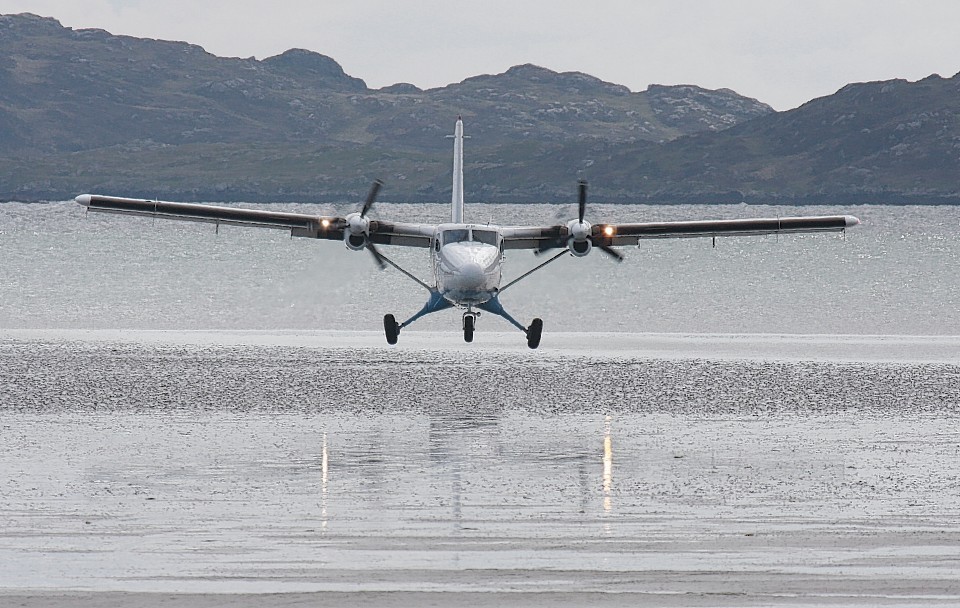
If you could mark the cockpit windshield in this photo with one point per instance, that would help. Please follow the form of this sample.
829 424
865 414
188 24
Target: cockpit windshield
458 235
485 236
455 236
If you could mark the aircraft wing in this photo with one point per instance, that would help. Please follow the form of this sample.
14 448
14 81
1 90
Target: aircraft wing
615 235
299 224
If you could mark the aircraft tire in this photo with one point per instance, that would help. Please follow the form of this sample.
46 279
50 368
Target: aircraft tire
534 332
390 329
468 326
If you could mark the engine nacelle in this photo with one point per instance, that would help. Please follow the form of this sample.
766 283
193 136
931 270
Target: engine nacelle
355 235
356 242
579 242
579 248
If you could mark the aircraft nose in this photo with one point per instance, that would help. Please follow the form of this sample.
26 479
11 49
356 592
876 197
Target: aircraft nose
471 273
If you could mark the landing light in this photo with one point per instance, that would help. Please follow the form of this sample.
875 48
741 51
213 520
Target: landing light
325 223
608 231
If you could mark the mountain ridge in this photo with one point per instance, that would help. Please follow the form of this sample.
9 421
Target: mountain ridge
85 110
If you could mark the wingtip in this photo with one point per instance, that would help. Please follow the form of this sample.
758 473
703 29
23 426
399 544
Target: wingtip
851 220
84 199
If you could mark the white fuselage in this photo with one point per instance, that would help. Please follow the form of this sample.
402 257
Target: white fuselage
467 262
466 258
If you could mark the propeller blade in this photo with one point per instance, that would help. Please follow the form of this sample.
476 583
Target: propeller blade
376 256
371 198
582 203
616 255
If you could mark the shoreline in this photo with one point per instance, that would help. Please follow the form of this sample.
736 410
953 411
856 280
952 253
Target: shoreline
850 348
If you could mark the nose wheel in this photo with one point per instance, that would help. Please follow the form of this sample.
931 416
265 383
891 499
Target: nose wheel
469 323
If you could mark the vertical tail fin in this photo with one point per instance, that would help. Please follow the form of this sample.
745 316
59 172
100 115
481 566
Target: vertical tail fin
457 197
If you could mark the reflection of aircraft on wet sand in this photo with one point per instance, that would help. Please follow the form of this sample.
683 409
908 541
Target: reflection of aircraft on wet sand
466 258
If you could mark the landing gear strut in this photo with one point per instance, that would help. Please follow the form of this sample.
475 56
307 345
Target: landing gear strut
437 302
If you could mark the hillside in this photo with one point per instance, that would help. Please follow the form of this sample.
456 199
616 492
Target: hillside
88 111
885 142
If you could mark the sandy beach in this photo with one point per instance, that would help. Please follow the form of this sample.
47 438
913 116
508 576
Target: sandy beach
323 469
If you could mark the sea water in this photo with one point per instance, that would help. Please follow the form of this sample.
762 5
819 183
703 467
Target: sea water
898 273
773 418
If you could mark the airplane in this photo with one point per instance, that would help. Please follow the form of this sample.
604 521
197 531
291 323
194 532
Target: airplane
466 258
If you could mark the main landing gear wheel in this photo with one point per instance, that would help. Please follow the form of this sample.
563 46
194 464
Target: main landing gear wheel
391 329
533 333
468 325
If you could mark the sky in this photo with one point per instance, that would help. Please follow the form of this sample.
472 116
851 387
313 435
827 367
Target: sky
782 52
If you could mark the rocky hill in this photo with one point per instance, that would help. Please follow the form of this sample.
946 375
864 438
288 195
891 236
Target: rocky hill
88 111
884 142
880 142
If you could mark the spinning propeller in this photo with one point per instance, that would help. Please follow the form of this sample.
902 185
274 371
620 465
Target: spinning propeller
357 234
582 210
581 239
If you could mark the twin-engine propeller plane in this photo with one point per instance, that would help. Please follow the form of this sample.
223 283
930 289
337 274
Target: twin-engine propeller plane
466 258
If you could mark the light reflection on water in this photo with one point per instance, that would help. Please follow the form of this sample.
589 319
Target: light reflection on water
324 483
468 469
607 466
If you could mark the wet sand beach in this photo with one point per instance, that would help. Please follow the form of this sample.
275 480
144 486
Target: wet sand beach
325 469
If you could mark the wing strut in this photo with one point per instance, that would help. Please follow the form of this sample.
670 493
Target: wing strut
529 272
410 275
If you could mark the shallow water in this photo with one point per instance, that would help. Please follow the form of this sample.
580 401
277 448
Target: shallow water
788 437
211 463
894 274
